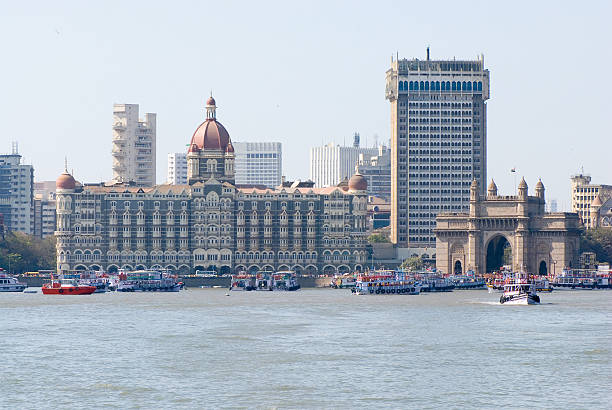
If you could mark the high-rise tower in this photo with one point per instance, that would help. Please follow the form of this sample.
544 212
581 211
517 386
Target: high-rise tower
438 142
133 145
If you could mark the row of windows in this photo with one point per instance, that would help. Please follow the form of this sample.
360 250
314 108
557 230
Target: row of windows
440 86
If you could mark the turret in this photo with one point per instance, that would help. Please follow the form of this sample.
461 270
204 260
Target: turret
539 190
492 190
474 198
595 207
522 190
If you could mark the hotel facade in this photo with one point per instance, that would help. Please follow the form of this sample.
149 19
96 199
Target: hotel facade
211 222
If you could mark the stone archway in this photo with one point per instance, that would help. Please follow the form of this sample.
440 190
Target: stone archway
458 269
543 269
499 253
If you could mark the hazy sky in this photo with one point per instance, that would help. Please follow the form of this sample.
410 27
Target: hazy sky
302 73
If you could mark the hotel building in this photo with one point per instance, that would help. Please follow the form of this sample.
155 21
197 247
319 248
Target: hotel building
210 222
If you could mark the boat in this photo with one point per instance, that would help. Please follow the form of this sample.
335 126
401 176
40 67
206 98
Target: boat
285 280
435 283
582 279
264 281
520 290
91 278
242 282
66 287
148 281
543 285
346 281
467 281
386 283
11 284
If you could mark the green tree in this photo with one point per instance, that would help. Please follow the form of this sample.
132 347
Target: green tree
22 253
378 238
413 263
597 240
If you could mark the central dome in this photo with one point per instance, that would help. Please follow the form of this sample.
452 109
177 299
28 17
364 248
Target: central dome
210 135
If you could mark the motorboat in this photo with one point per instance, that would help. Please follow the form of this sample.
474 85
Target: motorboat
520 290
386 283
67 287
11 284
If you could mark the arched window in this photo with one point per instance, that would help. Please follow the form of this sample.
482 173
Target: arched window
437 85
463 86
411 85
426 85
479 85
469 86
454 86
401 86
443 86
422 86
448 85
475 86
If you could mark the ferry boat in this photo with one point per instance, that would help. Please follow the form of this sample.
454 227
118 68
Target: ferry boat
543 285
11 284
582 279
386 283
343 282
285 281
242 281
147 281
264 281
66 287
520 291
467 282
434 283
90 278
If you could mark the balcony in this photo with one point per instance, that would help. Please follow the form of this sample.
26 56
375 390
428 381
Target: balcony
119 126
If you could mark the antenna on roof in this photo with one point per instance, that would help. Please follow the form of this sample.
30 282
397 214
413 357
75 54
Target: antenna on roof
15 148
66 164
428 53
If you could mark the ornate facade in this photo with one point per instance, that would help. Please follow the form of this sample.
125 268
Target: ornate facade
539 242
211 223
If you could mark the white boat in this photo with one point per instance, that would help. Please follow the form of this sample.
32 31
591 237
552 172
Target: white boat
148 281
285 281
242 282
386 283
264 281
519 291
11 284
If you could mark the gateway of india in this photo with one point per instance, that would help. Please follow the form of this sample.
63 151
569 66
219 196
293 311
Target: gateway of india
539 242
211 223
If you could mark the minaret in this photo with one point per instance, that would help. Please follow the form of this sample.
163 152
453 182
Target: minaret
211 108
474 198
492 190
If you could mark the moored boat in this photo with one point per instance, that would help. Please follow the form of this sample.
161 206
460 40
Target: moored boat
520 290
242 281
148 281
66 287
343 282
582 279
386 283
285 281
264 281
11 284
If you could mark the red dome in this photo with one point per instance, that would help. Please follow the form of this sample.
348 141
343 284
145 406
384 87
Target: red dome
210 101
210 135
358 183
65 181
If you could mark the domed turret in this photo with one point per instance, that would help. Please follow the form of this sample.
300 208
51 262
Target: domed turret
357 183
210 135
539 189
596 202
522 189
474 196
492 190
65 181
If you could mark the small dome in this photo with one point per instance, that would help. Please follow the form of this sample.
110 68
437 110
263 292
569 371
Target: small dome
230 147
492 186
65 181
210 101
596 201
474 183
539 185
357 183
193 148
522 184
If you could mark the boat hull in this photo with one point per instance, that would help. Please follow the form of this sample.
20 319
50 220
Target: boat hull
520 300
13 288
69 290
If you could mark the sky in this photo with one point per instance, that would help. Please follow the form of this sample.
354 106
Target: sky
303 74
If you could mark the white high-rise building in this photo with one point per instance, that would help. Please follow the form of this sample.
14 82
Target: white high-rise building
438 142
177 168
16 192
133 145
332 163
259 163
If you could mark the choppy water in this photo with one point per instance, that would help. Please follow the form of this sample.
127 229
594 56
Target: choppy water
315 348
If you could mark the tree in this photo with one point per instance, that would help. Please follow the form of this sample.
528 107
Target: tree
598 240
413 263
21 253
378 238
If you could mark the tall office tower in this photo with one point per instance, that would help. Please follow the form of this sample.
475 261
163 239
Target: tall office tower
438 142
177 168
377 171
16 192
259 163
584 194
133 145
332 163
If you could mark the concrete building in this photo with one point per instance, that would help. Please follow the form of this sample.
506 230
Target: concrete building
177 168
584 194
376 170
332 163
16 192
438 142
44 215
601 213
210 223
259 163
540 242
133 145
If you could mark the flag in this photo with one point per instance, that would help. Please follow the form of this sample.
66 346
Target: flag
513 170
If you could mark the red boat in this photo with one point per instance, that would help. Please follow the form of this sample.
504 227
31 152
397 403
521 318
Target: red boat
67 287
